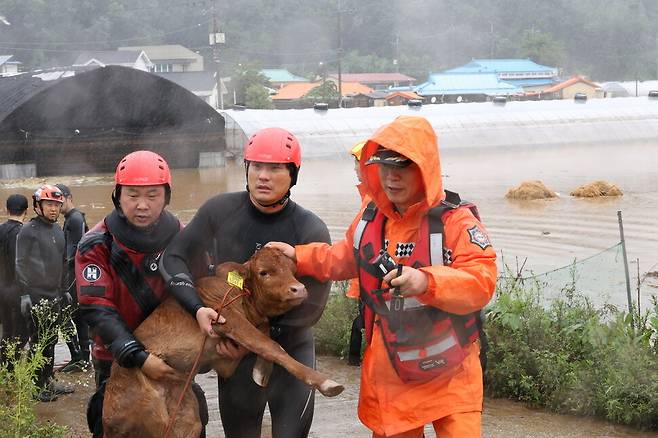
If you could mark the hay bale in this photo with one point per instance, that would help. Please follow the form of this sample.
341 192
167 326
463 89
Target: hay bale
596 189
530 190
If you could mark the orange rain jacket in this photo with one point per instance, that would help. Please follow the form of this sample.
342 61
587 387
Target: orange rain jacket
353 288
387 405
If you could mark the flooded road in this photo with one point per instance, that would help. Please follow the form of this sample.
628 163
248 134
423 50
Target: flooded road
336 417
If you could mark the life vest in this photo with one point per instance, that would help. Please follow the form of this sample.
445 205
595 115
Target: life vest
423 342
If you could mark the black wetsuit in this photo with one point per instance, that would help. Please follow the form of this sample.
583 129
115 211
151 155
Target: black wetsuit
39 265
75 226
230 228
13 323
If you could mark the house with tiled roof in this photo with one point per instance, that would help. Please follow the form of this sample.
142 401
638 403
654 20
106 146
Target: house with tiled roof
572 86
376 81
465 87
292 95
279 77
101 58
170 58
522 73
9 67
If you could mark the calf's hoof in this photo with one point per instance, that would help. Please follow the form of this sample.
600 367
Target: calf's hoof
329 388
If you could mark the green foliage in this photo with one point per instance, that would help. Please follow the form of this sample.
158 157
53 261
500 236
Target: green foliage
17 386
326 92
332 332
541 48
571 357
247 77
258 97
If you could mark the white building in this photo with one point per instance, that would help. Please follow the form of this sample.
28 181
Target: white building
136 59
172 58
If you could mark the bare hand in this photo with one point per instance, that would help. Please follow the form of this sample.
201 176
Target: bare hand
156 369
411 281
205 316
287 250
230 349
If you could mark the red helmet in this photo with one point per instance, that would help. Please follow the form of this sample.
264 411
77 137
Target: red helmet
48 192
142 168
273 145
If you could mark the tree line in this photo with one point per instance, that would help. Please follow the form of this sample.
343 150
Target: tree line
603 39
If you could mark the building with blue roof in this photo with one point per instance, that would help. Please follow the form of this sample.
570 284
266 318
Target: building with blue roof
465 87
523 73
279 77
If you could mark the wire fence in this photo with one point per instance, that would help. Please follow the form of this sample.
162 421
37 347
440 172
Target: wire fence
599 277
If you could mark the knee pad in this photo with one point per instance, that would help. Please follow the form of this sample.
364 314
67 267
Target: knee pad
203 404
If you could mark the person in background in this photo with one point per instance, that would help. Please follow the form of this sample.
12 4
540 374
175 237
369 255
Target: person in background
39 265
117 277
231 227
356 336
13 324
75 226
426 268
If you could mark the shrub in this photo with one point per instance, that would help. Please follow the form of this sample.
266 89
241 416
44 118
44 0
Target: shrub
17 386
332 332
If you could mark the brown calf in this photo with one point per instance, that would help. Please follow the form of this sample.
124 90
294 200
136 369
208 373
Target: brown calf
136 406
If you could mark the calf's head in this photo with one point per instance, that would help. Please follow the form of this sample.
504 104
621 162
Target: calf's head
270 277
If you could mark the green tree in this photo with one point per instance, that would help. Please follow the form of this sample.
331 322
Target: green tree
541 48
243 77
257 97
326 93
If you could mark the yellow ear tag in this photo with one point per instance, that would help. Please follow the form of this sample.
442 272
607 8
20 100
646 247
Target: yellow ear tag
235 279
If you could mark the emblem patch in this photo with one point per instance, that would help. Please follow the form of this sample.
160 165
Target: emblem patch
479 237
91 273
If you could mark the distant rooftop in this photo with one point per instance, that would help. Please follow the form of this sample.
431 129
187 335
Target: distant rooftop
374 78
192 80
281 75
503 66
469 83
163 52
108 57
569 82
297 90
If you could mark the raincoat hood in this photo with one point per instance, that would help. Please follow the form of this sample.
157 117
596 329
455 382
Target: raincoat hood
414 138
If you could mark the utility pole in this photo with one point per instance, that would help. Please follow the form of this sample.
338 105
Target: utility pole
396 61
215 39
340 55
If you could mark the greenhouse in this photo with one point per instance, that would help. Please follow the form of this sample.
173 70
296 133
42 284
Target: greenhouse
330 133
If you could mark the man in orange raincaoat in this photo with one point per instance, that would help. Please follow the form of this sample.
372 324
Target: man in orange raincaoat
426 268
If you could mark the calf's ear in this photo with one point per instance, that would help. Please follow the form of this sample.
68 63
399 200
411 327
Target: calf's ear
222 270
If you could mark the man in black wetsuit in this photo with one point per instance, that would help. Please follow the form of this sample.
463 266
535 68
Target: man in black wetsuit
13 324
75 226
39 263
231 227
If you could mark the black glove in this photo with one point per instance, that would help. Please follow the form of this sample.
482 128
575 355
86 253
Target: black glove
26 306
67 299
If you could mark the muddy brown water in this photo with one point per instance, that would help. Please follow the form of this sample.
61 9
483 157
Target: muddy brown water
548 233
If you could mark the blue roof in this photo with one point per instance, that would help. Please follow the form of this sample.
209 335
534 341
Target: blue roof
502 66
531 82
281 75
474 83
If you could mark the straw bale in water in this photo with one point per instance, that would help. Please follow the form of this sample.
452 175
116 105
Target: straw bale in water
530 190
597 189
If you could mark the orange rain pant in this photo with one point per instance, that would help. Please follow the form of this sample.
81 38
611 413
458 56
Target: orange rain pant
464 425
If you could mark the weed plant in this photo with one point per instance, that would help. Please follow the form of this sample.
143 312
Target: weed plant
17 385
571 357
332 332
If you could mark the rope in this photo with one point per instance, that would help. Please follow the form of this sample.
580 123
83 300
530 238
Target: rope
190 377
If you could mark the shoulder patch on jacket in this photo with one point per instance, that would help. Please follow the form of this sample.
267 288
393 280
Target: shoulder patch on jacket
479 237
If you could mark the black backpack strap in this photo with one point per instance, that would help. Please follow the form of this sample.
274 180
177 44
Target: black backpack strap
132 277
